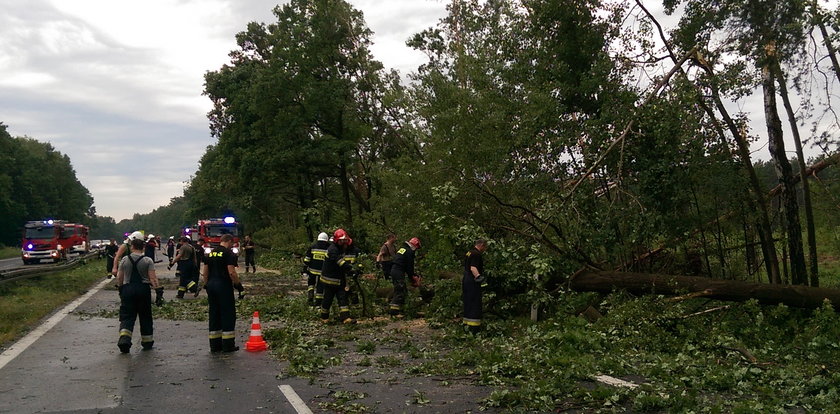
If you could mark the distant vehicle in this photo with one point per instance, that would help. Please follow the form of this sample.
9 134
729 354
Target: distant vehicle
41 241
212 230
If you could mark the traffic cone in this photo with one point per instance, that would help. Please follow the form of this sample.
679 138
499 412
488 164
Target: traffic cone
255 342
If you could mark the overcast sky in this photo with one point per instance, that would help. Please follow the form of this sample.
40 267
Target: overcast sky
117 85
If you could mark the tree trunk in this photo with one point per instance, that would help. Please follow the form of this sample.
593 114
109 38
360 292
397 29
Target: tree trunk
783 171
345 192
806 189
731 290
832 52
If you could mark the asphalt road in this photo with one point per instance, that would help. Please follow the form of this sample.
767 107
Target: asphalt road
10 263
76 367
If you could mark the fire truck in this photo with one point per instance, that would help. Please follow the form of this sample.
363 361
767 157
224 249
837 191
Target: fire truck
42 241
74 239
212 230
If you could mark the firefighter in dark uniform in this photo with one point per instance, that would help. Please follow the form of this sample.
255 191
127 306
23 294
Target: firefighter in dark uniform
248 245
220 278
474 280
185 260
313 262
110 253
334 278
170 247
135 279
352 255
201 247
402 266
150 247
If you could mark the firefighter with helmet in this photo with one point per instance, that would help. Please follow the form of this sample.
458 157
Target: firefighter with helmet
313 262
402 266
334 278
185 260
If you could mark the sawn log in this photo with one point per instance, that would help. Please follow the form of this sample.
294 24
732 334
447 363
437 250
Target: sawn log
730 290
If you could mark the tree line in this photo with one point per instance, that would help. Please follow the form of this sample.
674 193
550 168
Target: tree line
37 182
572 134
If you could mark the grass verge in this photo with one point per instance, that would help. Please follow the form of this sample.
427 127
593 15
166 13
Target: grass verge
9 252
25 302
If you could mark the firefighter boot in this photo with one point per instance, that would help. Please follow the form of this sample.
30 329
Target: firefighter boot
215 344
147 345
124 343
325 315
345 318
181 291
310 297
229 345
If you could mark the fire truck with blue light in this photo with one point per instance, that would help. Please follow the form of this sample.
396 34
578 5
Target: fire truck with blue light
52 240
212 230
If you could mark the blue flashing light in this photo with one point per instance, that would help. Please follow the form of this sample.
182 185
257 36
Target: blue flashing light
50 222
187 230
230 220
29 246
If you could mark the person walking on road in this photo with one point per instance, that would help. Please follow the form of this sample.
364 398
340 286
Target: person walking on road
185 260
220 278
135 278
125 249
170 248
248 245
151 245
402 266
474 280
334 278
313 263
386 254
110 253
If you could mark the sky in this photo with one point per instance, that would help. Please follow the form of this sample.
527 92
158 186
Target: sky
117 85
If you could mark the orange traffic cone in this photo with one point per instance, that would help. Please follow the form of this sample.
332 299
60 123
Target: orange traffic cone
255 342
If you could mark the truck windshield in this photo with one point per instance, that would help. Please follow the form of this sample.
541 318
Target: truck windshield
68 233
40 232
219 230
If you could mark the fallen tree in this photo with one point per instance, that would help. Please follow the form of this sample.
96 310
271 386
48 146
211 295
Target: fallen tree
730 290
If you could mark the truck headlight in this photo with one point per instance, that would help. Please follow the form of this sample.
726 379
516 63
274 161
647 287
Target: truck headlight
235 250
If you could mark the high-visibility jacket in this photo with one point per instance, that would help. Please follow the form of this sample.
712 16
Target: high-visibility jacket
313 261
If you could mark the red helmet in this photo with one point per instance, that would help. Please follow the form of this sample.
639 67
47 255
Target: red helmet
340 237
414 242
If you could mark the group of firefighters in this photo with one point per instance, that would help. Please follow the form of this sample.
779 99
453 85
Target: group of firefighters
329 266
331 263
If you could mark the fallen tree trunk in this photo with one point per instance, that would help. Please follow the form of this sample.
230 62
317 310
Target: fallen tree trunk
730 290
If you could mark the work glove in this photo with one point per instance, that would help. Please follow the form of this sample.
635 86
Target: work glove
416 281
241 289
481 280
159 296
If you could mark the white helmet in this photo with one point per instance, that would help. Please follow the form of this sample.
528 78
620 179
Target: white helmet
323 237
151 236
137 235
171 237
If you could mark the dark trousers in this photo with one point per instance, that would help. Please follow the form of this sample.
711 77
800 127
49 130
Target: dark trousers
311 282
136 301
319 292
249 260
471 296
187 279
109 265
400 293
338 292
386 269
222 306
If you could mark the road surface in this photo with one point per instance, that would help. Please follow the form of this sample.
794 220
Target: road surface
75 367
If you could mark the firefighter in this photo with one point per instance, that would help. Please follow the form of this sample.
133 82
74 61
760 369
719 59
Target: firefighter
334 278
125 249
313 262
110 253
201 248
402 266
151 245
474 280
135 278
220 278
170 247
351 256
248 245
386 254
185 260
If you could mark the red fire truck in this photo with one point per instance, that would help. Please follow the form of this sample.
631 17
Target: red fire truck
74 239
212 230
42 241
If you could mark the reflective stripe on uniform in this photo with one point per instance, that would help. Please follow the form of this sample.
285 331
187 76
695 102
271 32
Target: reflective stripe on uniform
394 306
319 295
319 254
228 335
215 334
125 332
190 285
472 322
315 272
147 338
330 281
344 309
182 289
310 288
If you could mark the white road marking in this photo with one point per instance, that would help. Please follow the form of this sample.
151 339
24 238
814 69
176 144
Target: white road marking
21 345
294 399
615 382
